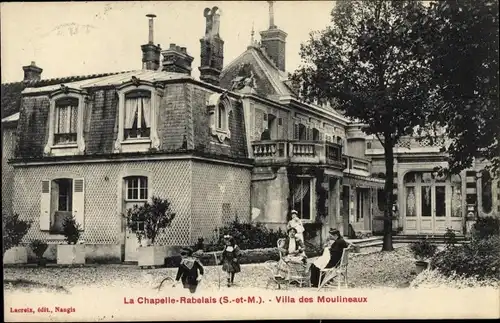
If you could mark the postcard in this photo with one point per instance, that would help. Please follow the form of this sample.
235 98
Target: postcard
227 160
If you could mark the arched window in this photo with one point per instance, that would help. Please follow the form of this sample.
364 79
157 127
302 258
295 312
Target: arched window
221 117
137 114
66 121
486 191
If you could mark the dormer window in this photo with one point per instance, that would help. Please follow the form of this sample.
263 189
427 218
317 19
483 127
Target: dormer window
66 122
221 117
219 110
137 109
137 114
66 125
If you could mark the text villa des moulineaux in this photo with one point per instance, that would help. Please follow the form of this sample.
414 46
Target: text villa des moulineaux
243 300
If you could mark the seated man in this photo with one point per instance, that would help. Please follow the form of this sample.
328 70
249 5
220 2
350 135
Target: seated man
335 252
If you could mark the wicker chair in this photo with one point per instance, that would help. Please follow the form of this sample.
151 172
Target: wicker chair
294 273
328 275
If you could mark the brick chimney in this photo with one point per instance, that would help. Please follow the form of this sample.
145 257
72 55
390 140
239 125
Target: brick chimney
177 60
150 51
274 41
32 73
212 48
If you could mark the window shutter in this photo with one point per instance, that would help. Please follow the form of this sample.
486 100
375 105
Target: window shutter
79 201
45 206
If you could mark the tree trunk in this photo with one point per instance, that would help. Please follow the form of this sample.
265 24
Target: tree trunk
389 180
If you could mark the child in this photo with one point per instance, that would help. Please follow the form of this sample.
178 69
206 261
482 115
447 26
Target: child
188 270
230 262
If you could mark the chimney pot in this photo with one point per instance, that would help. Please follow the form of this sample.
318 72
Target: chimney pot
151 52
212 48
177 60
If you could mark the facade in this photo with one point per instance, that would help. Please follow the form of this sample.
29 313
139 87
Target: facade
236 143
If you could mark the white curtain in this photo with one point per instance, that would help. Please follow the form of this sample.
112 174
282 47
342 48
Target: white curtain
66 119
131 106
146 109
300 191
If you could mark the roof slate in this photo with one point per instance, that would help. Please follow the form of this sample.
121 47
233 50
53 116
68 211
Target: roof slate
11 92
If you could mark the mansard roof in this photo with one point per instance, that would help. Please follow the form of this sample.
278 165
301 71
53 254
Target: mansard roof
270 82
11 92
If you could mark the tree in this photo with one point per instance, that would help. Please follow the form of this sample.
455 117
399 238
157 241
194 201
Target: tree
370 61
149 219
462 44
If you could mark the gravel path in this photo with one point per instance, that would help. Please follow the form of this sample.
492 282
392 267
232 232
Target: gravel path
377 269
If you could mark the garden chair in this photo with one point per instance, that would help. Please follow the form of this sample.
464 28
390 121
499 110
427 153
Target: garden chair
275 277
295 273
328 275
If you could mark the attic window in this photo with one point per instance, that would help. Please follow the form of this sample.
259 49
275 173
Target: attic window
65 123
138 104
137 114
219 110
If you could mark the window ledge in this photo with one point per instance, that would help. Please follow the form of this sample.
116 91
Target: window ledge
136 141
221 133
63 146
136 145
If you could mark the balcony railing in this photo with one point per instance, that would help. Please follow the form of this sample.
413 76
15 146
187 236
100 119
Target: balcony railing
356 163
295 151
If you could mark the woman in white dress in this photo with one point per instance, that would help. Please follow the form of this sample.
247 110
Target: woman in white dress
296 224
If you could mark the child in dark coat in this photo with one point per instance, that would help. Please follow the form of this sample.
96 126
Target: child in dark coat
230 259
190 270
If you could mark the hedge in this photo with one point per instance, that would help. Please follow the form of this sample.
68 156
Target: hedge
248 256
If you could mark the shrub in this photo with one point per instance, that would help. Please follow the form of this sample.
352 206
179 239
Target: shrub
423 249
156 216
39 247
485 227
479 259
450 238
71 229
247 236
13 230
435 279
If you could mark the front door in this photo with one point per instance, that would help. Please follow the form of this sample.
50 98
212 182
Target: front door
135 192
433 211
131 242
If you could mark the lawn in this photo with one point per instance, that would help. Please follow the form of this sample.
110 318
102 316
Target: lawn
379 269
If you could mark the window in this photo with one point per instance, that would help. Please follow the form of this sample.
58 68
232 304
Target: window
60 198
486 191
65 196
66 123
301 198
221 117
136 188
219 110
360 210
315 134
368 145
381 199
137 114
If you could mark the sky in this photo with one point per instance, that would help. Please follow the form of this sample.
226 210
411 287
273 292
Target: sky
80 38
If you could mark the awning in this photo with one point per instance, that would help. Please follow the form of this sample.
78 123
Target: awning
361 181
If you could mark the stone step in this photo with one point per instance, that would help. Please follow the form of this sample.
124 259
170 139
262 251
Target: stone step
360 242
371 244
